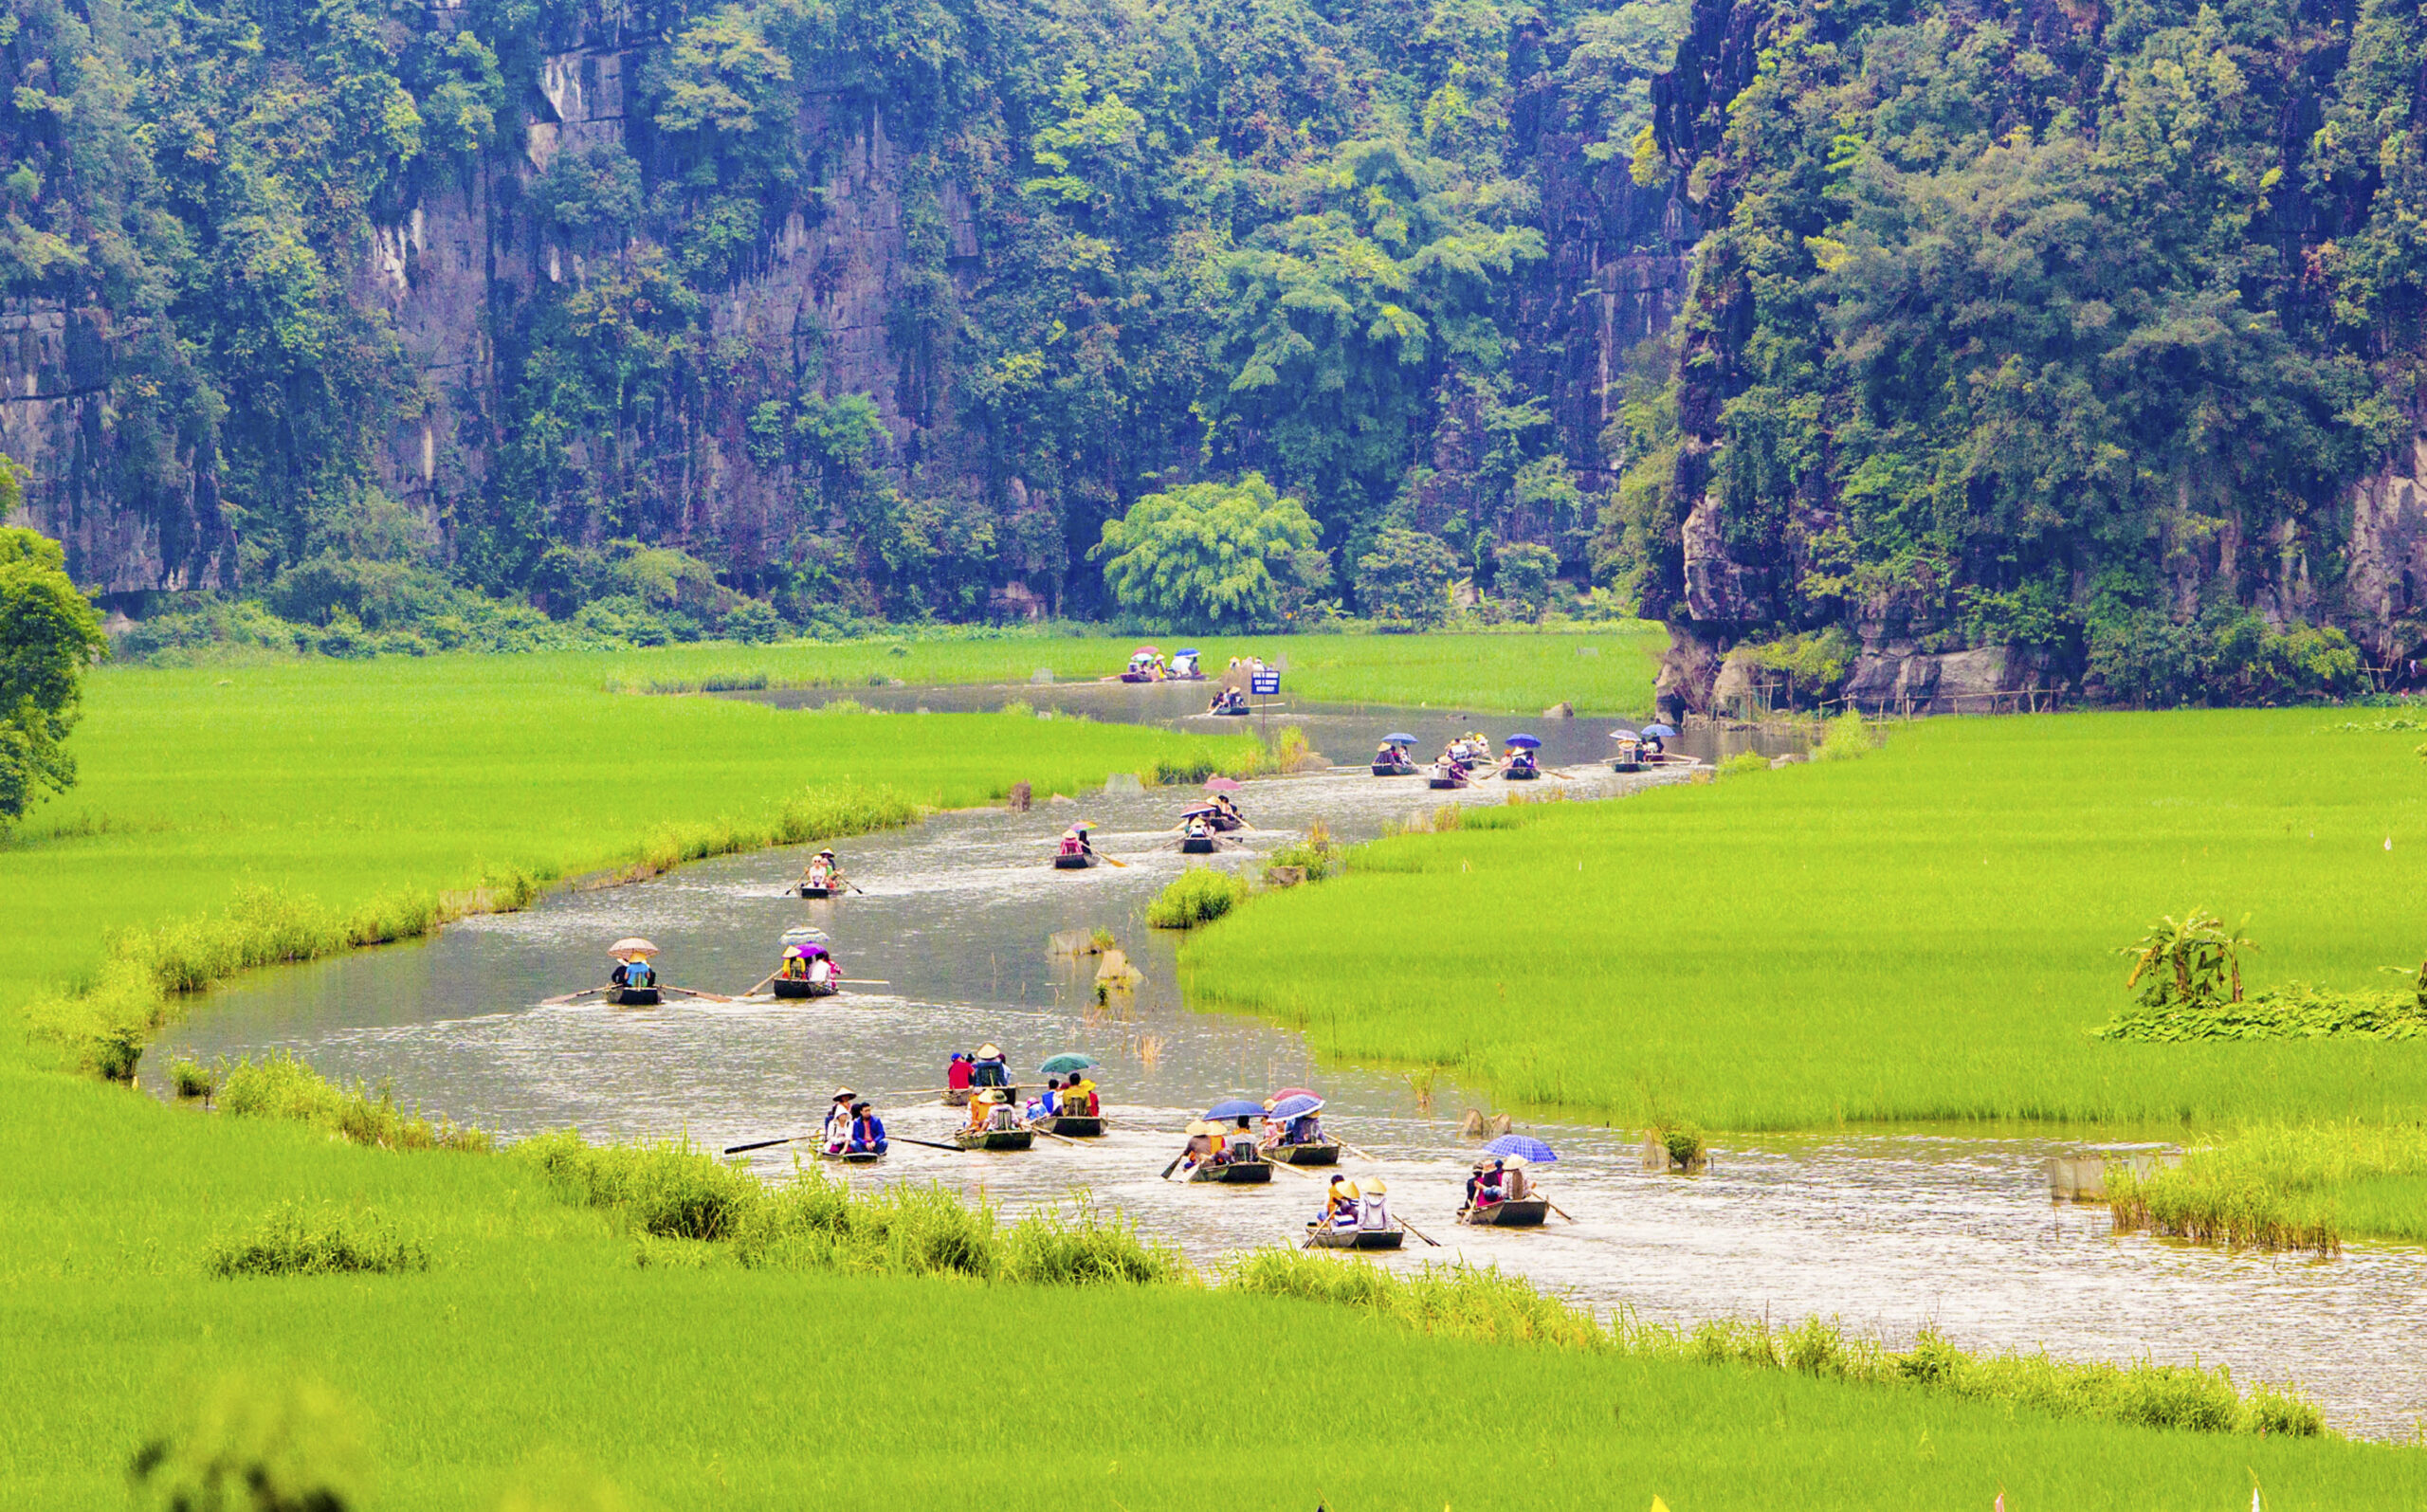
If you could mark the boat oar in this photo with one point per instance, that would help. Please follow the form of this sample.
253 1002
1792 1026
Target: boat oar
574 997
1419 1233
1293 1170
1174 1165
1048 1133
766 1144
1556 1208
1358 1153
763 981
865 981
693 992
1110 861
931 1144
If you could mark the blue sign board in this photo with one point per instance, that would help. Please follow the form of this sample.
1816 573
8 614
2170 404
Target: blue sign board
1264 685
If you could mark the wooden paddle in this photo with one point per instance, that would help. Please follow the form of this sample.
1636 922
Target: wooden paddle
865 981
763 981
1048 1133
1556 1208
1111 862
1353 1150
766 1144
574 997
1174 1165
929 1143
1293 1170
693 992
1419 1233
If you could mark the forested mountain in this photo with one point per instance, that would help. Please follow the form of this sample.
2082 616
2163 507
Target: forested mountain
2087 331
882 304
2018 344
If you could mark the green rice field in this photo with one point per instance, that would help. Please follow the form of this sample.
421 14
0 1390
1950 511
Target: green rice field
1601 670
1928 933
534 1348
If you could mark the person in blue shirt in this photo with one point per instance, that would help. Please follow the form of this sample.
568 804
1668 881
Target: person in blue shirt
868 1130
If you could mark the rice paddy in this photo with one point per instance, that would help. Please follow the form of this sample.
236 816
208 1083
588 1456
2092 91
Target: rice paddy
1926 934
493 1328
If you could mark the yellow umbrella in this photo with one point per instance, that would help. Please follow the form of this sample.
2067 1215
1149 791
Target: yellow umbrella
629 946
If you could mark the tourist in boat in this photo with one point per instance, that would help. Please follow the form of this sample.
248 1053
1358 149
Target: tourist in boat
1230 810
957 1073
989 1070
1339 1210
637 972
868 1130
1046 1104
1306 1129
622 975
982 1105
824 871
1520 759
1489 1186
1079 1098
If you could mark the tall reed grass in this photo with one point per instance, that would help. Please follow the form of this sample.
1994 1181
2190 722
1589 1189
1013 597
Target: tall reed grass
297 1240
1196 896
281 1085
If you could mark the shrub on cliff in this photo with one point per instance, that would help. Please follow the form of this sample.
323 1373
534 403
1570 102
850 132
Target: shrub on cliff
48 635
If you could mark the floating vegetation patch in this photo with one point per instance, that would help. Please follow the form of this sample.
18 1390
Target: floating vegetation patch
1198 896
2283 1187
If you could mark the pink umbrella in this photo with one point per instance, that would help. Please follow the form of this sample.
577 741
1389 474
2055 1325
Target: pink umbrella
1221 785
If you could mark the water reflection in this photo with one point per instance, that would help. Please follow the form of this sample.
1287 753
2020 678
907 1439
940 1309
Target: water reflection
1885 1232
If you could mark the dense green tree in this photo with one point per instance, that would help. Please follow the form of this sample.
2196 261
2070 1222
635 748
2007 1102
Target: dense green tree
48 636
1211 556
1405 579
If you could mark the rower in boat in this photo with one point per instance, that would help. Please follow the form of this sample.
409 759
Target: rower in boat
1196 836
1076 852
835 1134
994 1124
1235 1157
1204 1145
1518 764
958 1080
1229 700
1183 668
1145 665
823 878
1391 757
1226 813
988 1070
1357 1219
1451 771
633 983
810 969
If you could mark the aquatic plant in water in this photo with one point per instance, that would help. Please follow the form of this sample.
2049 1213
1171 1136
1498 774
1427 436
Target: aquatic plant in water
1196 896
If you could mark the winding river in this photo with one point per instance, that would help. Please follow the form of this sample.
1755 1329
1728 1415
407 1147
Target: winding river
1888 1232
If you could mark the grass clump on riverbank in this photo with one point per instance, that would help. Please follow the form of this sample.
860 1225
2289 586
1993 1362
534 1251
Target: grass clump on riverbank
2285 1187
1196 896
1925 934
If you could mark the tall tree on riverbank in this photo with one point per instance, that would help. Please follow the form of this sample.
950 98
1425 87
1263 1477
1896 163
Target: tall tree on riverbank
48 635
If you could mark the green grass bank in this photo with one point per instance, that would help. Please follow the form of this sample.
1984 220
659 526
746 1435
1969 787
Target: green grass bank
1924 934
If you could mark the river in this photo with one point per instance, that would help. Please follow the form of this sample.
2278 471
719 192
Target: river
1888 1232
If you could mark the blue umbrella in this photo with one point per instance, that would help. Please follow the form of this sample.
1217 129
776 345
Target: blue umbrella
1187 651
1524 1146
1400 739
1661 729
1235 1107
1525 742
1294 1107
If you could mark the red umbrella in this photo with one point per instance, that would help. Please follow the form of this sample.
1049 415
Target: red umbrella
1222 785
1291 1092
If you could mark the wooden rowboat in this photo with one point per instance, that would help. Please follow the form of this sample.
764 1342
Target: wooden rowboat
1078 863
634 997
1622 764
1326 1153
1197 845
802 987
996 1139
1445 779
1517 1213
1073 1126
1245 1173
1356 1238
813 890
849 1156
1521 774
1393 769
